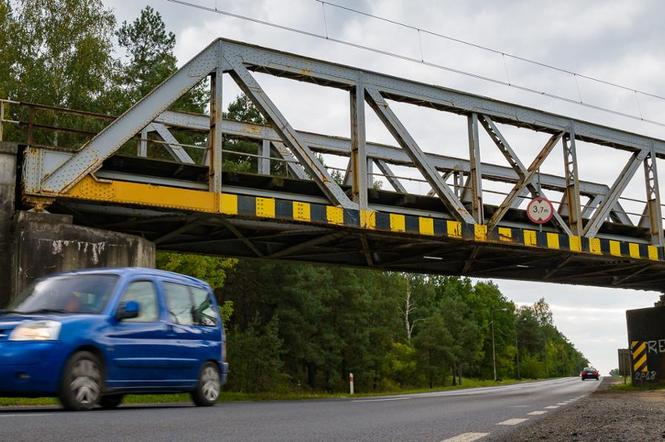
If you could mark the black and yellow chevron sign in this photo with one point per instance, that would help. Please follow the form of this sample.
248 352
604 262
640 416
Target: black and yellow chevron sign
639 353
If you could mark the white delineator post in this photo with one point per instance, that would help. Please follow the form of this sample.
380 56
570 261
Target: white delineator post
350 383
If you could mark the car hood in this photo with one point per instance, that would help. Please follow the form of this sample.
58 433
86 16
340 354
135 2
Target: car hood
9 321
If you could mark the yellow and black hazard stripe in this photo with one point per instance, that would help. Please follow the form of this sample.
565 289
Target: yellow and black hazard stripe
140 194
639 356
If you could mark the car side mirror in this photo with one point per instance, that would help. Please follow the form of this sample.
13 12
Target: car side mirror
128 310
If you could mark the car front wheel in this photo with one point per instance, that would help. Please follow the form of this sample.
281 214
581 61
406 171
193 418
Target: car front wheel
81 384
208 386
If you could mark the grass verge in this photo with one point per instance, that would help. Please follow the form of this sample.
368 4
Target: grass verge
231 396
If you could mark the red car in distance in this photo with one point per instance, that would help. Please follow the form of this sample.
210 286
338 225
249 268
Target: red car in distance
589 373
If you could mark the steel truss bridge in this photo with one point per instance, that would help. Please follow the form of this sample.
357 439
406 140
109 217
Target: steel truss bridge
189 204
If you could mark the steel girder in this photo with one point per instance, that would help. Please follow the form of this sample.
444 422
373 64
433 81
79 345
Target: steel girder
239 59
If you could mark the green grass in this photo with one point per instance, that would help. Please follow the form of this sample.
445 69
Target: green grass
618 385
230 396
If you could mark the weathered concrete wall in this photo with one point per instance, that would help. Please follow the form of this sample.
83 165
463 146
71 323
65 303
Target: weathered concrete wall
7 204
45 243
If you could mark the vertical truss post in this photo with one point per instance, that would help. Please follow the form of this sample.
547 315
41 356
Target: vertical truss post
2 117
360 165
475 173
264 158
370 173
572 191
143 144
215 136
458 185
653 198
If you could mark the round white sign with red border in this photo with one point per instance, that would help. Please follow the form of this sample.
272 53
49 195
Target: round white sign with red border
540 210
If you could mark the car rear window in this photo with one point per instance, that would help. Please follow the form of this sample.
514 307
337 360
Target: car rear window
204 312
179 303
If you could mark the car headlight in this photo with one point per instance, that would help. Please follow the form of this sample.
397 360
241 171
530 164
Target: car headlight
36 331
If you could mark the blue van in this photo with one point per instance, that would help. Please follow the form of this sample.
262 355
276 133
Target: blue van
92 336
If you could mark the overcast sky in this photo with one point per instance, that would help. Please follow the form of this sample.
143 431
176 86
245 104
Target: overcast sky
617 41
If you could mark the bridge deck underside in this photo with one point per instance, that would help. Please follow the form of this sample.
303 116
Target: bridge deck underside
216 235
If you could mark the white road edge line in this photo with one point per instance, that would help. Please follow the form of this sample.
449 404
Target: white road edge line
514 421
466 437
26 414
537 413
383 400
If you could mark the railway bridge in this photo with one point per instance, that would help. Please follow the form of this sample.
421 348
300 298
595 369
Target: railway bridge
156 177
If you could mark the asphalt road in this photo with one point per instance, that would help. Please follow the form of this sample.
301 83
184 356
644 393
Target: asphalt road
462 415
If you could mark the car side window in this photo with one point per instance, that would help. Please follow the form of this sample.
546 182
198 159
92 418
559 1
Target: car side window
179 303
204 311
144 293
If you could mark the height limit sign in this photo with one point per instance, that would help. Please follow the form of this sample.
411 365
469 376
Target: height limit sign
540 210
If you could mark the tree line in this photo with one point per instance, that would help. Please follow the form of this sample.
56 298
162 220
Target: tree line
294 325
289 326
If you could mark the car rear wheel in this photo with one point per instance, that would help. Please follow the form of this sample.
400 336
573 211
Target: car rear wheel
111 401
81 384
208 386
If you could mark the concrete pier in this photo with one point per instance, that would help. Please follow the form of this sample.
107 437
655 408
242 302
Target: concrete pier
45 243
7 207
35 244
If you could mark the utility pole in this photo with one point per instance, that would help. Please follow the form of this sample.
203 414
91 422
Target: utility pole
517 354
503 309
493 347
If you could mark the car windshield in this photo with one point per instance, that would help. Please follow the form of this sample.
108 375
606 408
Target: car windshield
66 294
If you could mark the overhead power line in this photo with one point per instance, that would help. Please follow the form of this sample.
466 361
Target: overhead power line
495 51
326 36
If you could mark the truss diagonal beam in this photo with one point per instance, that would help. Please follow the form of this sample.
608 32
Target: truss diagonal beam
110 139
525 175
318 172
390 176
295 168
524 181
503 145
172 145
419 159
603 210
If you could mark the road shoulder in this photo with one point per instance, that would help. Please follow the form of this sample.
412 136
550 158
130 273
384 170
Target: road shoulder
608 414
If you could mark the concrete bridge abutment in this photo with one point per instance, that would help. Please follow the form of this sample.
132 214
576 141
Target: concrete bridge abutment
35 244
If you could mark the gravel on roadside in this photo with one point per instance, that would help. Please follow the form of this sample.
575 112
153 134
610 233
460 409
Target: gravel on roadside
605 415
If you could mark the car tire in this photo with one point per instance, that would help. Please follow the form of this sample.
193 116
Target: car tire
208 386
82 382
111 401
